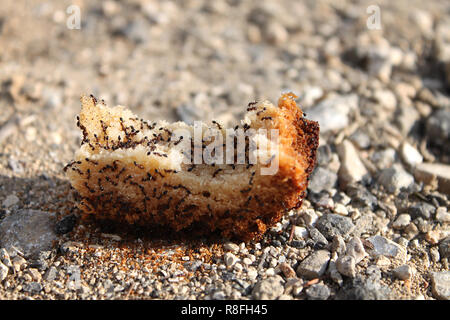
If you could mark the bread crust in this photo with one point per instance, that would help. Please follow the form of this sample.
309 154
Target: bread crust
118 179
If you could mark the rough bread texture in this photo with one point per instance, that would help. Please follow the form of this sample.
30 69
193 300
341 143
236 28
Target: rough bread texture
131 171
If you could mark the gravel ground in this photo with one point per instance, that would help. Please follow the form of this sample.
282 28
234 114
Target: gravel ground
375 224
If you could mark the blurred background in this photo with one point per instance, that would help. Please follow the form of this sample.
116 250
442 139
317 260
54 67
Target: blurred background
376 71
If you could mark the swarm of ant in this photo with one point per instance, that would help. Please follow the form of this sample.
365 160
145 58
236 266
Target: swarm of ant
130 171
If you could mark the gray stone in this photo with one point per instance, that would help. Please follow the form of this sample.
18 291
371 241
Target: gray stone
32 287
15 165
30 231
334 273
218 295
5 258
421 209
309 217
444 247
438 127
361 196
410 154
424 20
137 31
230 246
322 179
275 33
3 271
346 265
268 289
406 118
314 265
427 96
355 249
340 209
332 113
318 240
318 292
300 233
10 200
70 246
410 231
395 178
293 286
74 272
441 285
402 221
18 263
298 244
442 215
425 172
331 225
321 200
384 158
9 127
51 274
435 255
230 259
42 261
360 139
386 247
373 273
52 98
386 99
404 272
359 289
351 169
338 245
311 94
379 66
324 155
35 274
342 198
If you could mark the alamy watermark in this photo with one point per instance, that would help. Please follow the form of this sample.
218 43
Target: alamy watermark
374 20
229 146
74 19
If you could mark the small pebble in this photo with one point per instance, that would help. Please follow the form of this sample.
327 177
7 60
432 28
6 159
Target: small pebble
410 154
230 259
340 209
268 289
442 215
318 292
355 249
403 272
3 271
386 248
441 285
300 233
5 258
402 221
10 200
395 178
346 265
338 245
314 265
230 246
287 270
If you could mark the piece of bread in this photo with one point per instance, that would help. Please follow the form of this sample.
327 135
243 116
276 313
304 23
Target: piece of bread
132 171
